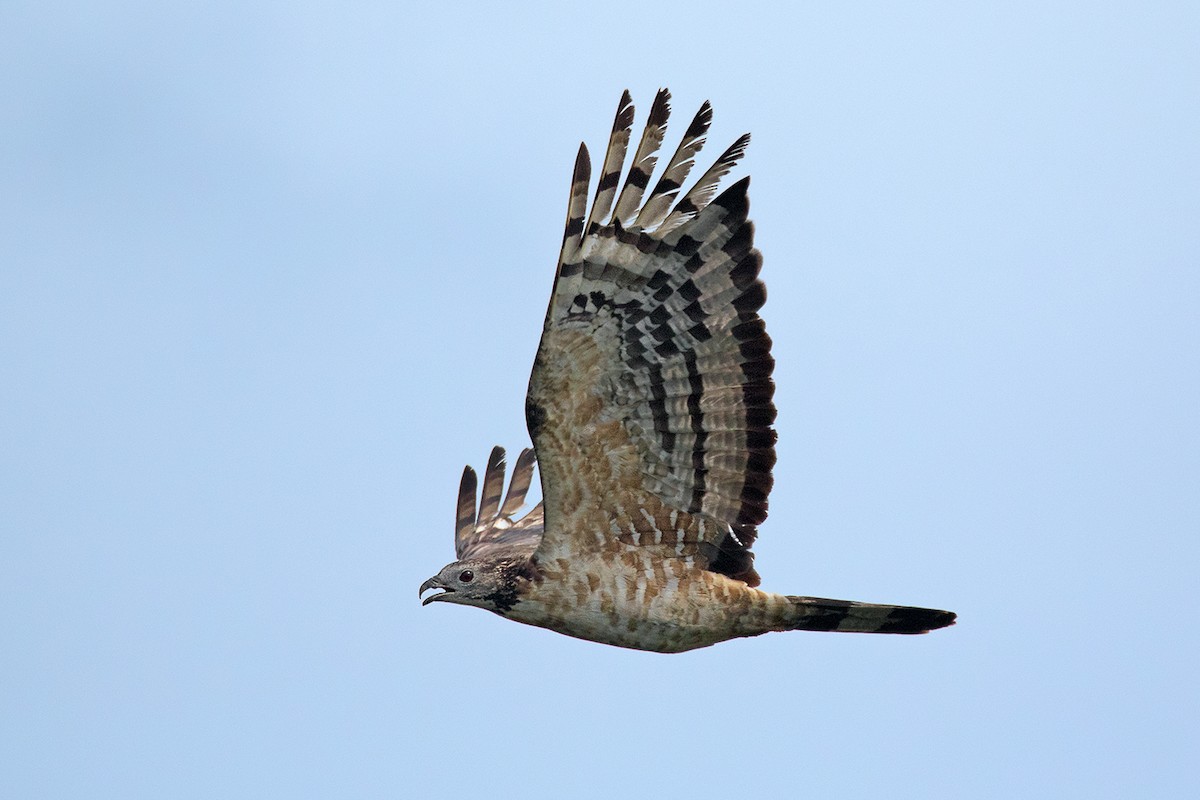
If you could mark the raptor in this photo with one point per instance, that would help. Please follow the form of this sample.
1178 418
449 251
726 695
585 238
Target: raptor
651 411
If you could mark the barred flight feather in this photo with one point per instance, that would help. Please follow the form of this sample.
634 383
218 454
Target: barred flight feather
644 160
671 295
495 528
610 175
668 186
706 187
577 206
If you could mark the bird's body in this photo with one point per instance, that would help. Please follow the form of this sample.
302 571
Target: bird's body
650 409
635 599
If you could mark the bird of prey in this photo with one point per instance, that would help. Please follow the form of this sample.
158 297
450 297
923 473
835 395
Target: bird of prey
650 409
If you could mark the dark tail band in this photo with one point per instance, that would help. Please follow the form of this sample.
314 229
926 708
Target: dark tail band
845 616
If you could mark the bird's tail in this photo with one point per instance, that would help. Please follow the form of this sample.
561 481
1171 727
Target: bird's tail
820 614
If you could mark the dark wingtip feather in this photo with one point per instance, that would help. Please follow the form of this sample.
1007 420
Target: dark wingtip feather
660 110
736 198
701 122
624 111
495 458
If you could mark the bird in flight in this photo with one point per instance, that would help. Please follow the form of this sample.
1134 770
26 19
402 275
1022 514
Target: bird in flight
650 409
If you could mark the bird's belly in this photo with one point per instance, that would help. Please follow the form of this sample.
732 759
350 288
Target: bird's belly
667 610
636 631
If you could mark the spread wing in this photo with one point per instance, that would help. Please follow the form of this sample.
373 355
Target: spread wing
494 532
650 402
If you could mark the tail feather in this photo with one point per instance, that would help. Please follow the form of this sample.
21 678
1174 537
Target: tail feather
845 616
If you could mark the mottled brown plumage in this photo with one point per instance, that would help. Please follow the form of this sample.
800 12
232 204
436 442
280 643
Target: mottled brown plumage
650 409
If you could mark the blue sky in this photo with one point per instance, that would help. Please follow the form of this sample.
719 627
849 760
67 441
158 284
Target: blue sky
272 273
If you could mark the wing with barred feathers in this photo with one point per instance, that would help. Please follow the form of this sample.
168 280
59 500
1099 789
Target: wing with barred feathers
650 402
494 531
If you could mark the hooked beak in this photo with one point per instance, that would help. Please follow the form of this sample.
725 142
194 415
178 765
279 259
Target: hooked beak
433 583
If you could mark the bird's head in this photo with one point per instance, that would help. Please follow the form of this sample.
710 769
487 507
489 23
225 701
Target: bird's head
492 585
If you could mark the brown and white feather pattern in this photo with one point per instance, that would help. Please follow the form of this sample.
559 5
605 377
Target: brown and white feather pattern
656 332
650 408
495 528
644 160
614 160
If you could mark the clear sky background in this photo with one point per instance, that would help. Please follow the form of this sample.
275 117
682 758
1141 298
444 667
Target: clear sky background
272 273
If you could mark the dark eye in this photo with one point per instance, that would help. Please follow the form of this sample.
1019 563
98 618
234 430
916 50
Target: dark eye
466 576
